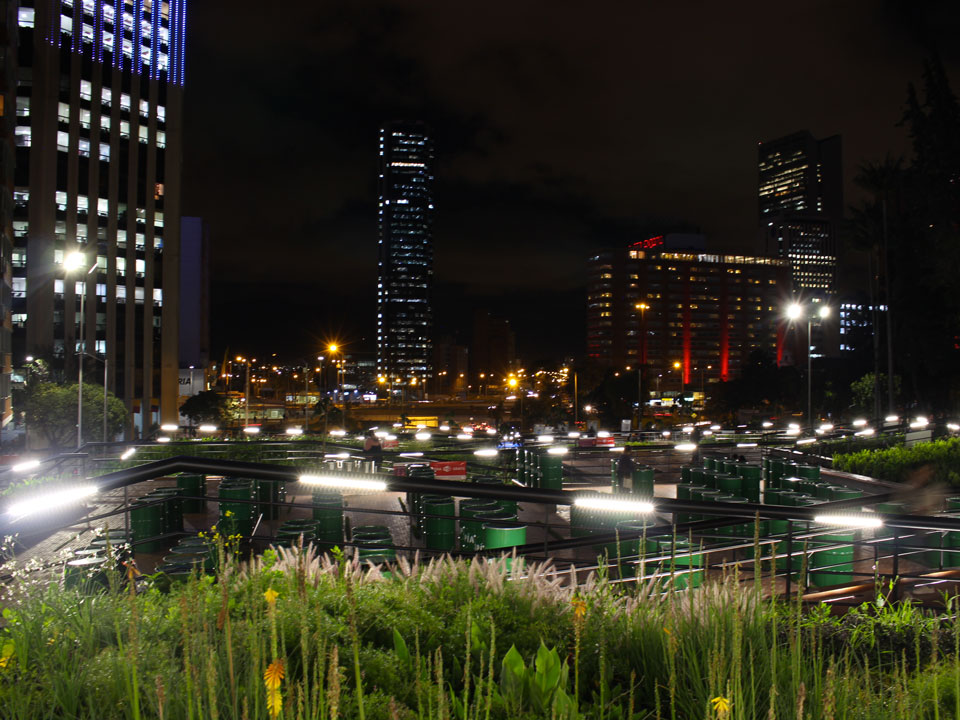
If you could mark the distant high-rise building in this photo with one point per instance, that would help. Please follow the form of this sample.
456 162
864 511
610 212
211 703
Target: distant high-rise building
800 203
99 89
666 303
405 270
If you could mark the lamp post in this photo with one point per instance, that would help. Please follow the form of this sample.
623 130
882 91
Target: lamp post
642 307
246 391
797 311
76 261
333 349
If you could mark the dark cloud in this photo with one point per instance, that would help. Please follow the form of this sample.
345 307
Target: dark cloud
561 128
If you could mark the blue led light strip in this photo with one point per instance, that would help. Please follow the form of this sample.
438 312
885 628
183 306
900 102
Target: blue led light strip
97 50
76 41
135 61
155 40
172 45
183 37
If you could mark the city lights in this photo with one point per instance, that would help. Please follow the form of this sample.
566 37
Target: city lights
557 451
614 505
486 452
26 466
49 501
859 521
207 428
342 482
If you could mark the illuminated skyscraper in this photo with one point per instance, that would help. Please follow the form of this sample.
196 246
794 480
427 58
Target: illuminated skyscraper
99 87
800 203
405 271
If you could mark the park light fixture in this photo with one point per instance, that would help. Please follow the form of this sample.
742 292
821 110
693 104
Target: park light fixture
169 427
766 424
444 428
685 447
422 436
953 427
806 441
50 500
557 451
919 422
207 428
343 482
793 431
746 445
860 521
337 456
688 429
614 504
411 454
794 311
826 427
74 261
491 431
338 433
891 419
707 433
128 453
252 430
485 452
603 434
163 439
866 432
715 428
617 449
573 434
859 422
545 438
294 431
26 466
464 436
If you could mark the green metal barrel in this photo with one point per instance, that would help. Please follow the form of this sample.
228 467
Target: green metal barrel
750 476
709 463
469 528
146 521
845 493
833 566
86 573
193 486
173 508
810 472
685 471
374 540
730 483
551 472
236 518
498 536
643 481
475 534
440 523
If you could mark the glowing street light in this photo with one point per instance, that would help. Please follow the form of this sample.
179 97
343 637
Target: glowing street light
795 312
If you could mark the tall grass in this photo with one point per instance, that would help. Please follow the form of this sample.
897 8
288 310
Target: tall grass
295 635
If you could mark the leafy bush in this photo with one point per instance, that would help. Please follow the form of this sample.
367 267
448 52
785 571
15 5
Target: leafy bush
895 464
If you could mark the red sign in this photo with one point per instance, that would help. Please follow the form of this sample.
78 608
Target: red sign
596 442
451 470
390 444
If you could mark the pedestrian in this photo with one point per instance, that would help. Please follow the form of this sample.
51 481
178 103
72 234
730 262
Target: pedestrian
372 448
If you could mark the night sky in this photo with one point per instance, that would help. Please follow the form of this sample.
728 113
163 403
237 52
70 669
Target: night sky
561 128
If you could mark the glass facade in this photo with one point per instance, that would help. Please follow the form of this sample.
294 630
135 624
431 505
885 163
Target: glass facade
800 202
405 269
97 165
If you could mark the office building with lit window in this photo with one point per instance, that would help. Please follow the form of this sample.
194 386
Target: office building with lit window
8 124
99 87
405 268
858 321
667 303
800 203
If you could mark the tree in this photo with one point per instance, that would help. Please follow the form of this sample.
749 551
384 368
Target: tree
864 387
207 406
51 411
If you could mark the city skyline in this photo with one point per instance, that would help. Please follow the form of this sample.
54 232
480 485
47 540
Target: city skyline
595 139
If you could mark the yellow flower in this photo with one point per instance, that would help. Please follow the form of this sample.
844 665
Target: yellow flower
721 705
6 654
273 675
228 513
579 609
667 631
271 595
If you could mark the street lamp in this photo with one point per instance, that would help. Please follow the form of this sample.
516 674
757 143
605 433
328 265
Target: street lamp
333 349
246 392
642 307
796 311
77 261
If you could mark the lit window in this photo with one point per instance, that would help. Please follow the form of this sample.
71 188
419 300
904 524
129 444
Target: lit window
86 90
25 17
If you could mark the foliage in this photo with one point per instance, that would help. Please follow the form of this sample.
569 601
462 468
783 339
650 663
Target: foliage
863 391
909 226
897 464
51 410
207 406
293 635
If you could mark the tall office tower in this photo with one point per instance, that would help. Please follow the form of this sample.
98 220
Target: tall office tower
800 204
8 117
99 87
405 276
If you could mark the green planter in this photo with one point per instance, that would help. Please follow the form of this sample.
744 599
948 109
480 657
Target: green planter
194 486
146 521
